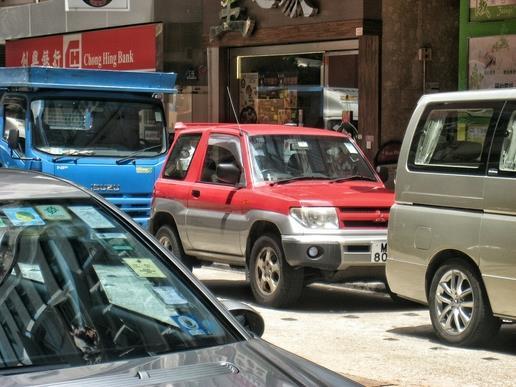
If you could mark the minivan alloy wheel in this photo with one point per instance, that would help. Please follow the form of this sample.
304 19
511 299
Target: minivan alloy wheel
268 270
454 302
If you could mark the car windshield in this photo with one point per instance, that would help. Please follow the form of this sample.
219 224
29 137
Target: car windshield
285 157
98 128
77 287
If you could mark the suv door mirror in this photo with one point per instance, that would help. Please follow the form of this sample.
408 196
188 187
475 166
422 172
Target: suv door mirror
383 173
13 138
228 173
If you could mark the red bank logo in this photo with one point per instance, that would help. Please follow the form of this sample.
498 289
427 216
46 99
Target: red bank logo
72 48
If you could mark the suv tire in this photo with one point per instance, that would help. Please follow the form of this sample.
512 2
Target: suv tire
169 239
273 281
459 308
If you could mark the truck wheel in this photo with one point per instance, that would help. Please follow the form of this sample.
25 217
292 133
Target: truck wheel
273 281
459 308
169 239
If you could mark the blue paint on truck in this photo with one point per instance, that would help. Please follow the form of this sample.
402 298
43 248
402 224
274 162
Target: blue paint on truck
105 130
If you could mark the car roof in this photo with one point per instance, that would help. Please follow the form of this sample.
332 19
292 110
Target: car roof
18 184
470 95
258 129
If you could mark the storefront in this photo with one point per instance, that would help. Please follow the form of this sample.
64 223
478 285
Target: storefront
487 44
318 69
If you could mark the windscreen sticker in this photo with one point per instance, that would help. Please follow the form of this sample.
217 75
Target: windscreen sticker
144 267
2 223
351 148
91 217
170 295
31 272
189 324
24 216
117 240
157 116
52 212
126 290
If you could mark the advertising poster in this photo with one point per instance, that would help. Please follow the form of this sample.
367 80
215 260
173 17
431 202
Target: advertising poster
492 62
485 10
248 96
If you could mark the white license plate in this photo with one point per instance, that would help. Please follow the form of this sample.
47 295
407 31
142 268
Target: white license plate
379 252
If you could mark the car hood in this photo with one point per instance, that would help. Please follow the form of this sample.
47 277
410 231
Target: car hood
250 363
322 193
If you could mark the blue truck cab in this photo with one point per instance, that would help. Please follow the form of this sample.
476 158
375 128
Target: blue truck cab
104 130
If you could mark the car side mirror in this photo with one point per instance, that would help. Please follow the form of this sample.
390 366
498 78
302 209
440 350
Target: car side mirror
228 173
249 318
13 138
383 172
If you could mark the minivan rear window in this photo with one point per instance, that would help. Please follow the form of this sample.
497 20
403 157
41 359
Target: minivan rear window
452 138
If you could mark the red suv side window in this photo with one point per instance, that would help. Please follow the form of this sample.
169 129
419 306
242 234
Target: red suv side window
181 157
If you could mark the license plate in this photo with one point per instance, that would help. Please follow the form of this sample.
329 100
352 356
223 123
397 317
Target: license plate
379 252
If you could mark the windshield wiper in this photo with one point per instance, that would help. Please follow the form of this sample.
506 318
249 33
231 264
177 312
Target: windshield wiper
32 368
353 177
299 178
72 155
134 155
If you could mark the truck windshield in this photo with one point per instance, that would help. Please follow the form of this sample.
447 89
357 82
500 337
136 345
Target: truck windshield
78 287
296 157
98 128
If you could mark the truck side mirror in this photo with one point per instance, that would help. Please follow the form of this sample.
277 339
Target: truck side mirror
13 138
228 173
383 173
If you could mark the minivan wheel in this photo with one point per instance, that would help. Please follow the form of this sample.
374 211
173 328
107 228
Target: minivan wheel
459 308
168 238
273 281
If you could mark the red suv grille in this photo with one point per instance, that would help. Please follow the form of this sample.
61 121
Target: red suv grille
365 217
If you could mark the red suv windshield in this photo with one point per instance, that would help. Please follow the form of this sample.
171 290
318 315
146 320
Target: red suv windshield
285 157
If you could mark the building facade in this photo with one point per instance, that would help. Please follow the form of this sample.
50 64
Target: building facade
336 64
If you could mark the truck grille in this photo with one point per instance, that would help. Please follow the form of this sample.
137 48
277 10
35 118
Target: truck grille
364 217
135 205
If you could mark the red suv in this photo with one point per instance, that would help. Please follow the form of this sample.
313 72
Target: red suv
291 205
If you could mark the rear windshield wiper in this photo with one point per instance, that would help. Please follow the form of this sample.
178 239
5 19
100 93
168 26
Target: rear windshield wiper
353 177
134 155
72 156
299 178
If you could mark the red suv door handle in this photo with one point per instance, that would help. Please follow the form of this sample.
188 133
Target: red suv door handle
196 193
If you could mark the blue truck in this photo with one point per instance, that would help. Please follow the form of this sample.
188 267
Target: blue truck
105 130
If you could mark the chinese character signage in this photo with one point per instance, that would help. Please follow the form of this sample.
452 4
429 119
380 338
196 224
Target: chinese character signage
97 5
127 48
485 10
492 62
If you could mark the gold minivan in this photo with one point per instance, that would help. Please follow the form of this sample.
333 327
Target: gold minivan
452 229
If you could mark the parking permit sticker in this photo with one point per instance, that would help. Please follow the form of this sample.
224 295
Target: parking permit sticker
91 217
189 325
144 267
170 295
25 216
52 212
351 148
117 240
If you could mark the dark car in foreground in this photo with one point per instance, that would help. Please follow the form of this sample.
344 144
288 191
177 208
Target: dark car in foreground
88 298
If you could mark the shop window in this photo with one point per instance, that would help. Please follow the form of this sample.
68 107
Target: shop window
282 89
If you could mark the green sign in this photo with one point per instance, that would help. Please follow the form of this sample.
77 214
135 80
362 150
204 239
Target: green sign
486 10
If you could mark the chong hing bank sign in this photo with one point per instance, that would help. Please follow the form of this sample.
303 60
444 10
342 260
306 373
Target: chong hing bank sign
126 48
